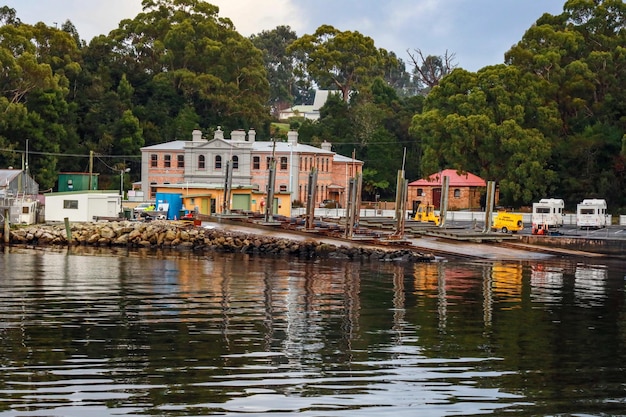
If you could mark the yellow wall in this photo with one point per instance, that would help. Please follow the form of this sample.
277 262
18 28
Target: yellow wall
201 198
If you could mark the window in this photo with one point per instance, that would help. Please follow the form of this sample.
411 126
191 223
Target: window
283 188
420 192
235 162
70 204
167 161
268 162
180 161
256 162
457 193
25 210
201 162
283 163
154 160
218 162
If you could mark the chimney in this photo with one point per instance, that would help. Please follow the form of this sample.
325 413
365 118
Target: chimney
292 137
251 135
196 135
238 135
326 146
219 133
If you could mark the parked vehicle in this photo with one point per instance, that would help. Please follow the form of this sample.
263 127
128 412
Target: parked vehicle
591 214
547 214
330 204
141 207
426 213
508 222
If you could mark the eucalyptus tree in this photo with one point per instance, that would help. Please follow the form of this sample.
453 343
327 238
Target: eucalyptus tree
581 56
287 87
429 70
343 61
487 123
40 66
186 48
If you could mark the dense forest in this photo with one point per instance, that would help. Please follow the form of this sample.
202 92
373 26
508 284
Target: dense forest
550 121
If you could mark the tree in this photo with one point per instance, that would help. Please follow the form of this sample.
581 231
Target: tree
341 60
580 54
486 123
286 87
431 69
184 47
372 185
8 16
40 65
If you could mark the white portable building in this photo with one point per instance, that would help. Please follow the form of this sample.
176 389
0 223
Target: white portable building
548 212
82 206
591 213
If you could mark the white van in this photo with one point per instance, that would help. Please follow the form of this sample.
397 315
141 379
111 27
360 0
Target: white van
547 214
591 213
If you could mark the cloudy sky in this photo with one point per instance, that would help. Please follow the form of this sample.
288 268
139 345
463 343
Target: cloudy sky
478 32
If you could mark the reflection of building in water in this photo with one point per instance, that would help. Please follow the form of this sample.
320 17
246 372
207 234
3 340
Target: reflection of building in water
590 284
458 279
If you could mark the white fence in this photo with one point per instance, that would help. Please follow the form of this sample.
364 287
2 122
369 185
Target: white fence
451 217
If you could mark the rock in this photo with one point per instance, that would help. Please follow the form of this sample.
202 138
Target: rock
163 234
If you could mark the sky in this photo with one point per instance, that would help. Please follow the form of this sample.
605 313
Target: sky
477 32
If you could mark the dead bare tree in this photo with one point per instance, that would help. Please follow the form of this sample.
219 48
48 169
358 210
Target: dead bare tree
431 69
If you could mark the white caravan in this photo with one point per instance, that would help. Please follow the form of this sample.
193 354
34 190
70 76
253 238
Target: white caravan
591 213
547 214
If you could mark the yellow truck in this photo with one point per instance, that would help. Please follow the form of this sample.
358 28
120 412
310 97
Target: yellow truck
508 222
426 213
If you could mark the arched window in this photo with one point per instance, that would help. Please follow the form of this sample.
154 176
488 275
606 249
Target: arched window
201 162
218 162
235 162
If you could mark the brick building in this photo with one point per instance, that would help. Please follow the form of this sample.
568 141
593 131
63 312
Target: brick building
465 190
202 161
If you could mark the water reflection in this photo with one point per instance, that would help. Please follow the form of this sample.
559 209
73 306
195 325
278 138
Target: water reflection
150 332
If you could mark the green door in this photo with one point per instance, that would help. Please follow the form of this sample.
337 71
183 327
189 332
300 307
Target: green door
241 202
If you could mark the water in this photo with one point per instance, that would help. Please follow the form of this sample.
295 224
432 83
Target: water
102 333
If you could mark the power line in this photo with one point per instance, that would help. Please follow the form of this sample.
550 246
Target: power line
68 154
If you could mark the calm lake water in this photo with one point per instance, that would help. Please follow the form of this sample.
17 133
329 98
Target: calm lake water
117 333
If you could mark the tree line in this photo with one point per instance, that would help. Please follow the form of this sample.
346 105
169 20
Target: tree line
550 121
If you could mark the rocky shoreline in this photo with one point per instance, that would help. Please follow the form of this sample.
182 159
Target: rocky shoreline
184 236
